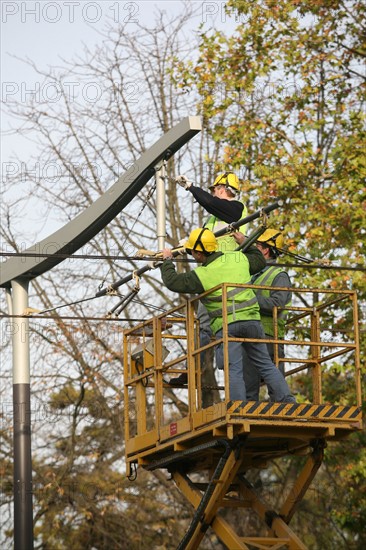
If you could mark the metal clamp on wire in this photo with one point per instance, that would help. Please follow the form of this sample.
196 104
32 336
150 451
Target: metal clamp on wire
137 281
144 252
264 218
30 311
125 300
110 291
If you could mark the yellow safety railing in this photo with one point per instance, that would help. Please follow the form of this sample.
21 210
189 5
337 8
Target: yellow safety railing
168 344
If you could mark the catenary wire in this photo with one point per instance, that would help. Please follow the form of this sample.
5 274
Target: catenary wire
151 306
72 318
309 263
85 256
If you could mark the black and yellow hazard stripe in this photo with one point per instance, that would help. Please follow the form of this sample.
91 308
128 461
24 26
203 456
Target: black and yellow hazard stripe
294 410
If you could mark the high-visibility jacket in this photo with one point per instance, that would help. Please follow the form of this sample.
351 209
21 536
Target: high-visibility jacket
242 304
226 243
266 279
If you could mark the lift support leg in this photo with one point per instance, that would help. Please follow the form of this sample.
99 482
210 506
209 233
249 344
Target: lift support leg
303 481
283 534
209 517
280 534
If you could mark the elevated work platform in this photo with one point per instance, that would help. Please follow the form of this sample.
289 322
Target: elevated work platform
169 428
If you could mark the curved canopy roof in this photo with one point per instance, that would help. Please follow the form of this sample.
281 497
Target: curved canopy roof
75 234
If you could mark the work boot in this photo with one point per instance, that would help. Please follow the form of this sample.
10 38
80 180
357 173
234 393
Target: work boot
181 380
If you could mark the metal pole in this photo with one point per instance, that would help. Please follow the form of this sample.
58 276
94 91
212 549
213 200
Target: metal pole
23 509
160 205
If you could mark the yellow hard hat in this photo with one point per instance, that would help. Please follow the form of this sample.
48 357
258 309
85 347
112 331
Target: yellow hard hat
201 239
227 178
273 238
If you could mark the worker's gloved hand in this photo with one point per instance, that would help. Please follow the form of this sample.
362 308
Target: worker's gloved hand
183 181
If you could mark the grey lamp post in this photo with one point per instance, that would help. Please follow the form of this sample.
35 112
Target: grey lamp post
160 205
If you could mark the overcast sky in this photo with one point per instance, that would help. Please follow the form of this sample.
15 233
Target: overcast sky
47 31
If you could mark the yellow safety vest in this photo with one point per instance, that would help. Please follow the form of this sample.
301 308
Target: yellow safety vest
226 243
242 304
266 278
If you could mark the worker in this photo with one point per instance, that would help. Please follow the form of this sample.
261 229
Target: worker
224 208
242 308
222 203
271 244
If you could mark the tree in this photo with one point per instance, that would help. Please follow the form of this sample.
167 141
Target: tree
289 85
